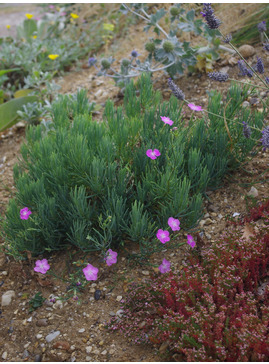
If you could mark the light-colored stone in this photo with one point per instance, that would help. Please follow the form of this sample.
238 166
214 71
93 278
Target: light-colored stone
4 355
253 192
119 298
88 349
39 336
104 352
245 104
7 297
52 336
145 272
81 331
247 50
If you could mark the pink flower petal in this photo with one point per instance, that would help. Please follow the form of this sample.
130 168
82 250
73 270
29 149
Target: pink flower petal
195 107
163 236
167 120
174 224
191 241
42 266
90 272
156 152
165 266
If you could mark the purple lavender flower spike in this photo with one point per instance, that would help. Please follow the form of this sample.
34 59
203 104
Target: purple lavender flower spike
262 26
227 39
265 137
218 76
266 46
244 71
267 80
246 130
259 65
176 90
210 18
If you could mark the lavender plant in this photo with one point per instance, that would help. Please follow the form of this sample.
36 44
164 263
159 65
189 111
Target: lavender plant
166 53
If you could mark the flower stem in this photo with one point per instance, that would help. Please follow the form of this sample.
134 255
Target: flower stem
240 55
248 84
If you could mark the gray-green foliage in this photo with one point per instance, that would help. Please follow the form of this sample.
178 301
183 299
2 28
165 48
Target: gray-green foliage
90 184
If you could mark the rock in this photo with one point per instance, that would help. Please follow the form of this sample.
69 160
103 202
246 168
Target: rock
52 336
145 272
101 343
111 313
72 347
104 352
30 319
88 349
142 324
111 351
58 304
38 357
81 331
7 297
119 313
253 192
213 208
88 358
42 322
119 298
92 290
245 104
246 50
39 336
4 355
96 352
25 354
64 345
163 347
97 294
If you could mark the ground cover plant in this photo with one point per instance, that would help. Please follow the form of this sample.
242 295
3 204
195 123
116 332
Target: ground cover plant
98 185
215 309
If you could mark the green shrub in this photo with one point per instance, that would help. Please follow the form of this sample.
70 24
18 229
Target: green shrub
92 185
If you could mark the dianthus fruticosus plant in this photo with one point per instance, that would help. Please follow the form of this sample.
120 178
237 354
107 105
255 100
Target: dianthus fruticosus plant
98 185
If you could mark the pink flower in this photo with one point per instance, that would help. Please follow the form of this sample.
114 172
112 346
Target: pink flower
90 272
25 213
165 266
191 241
63 13
174 223
111 257
163 236
195 107
51 6
41 266
167 120
153 154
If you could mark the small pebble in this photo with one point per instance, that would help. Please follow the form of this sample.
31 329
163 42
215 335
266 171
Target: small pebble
119 298
97 294
81 331
39 336
38 357
145 272
88 349
104 352
25 354
52 336
4 355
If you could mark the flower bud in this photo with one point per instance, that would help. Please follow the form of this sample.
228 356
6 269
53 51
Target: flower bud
125 62
168 46
150 47
105 63
174 11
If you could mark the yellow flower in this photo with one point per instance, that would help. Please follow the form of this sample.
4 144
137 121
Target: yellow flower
34 36
29 16
53 56
8 26
74 16
107 26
